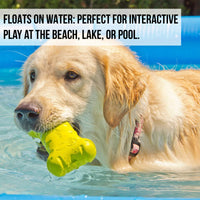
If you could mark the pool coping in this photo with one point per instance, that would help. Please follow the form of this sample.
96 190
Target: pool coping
81 197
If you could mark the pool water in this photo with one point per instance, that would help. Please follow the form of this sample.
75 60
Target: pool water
22 172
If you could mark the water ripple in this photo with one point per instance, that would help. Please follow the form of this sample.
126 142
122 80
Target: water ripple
22 172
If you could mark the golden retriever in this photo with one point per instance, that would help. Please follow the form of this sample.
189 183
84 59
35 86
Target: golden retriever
103 91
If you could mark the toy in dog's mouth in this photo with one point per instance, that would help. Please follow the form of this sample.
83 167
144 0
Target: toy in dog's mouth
63 149
41 151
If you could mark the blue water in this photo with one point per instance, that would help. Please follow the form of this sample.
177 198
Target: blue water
22 172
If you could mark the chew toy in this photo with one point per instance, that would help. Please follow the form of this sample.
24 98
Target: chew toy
67 151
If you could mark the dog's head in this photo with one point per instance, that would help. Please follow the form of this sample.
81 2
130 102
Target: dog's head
90 87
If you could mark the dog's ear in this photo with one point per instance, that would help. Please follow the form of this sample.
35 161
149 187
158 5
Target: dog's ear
125 82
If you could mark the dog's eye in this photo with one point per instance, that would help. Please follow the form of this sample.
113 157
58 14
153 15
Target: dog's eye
71 75
32 76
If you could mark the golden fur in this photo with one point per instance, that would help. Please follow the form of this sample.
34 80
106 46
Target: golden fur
114 90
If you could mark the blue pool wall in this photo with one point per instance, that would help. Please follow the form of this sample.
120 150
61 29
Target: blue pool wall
12 57
186 54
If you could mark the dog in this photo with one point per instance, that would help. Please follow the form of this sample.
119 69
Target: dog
108 95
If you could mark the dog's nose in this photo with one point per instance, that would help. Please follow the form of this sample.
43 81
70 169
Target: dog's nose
28 111
27 114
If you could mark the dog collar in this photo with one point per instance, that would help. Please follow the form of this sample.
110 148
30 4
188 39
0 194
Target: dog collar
135 143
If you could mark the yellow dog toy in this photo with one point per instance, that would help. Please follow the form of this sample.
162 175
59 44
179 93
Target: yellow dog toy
67 151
